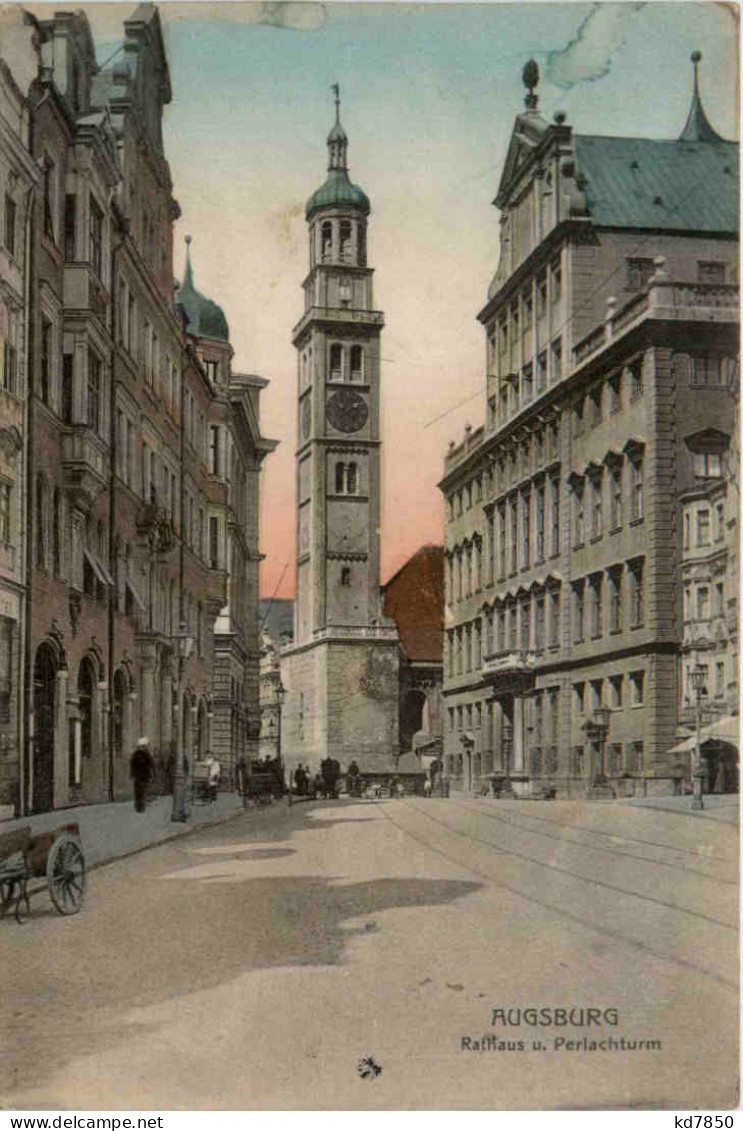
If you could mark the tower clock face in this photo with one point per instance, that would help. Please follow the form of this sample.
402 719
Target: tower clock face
347 410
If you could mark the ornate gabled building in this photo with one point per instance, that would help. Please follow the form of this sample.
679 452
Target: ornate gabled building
341 672
138 540
612 350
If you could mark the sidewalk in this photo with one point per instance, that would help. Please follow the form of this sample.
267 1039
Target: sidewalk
109 831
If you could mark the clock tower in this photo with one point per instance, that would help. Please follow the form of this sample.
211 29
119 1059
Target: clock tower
342 669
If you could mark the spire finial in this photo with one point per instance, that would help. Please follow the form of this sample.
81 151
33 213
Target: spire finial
188 281
337 140
530 79
337 92
698 127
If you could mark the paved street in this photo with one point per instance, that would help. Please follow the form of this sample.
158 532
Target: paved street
254 964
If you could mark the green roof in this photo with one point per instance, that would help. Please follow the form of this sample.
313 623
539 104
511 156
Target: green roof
205 318
679 185
338 192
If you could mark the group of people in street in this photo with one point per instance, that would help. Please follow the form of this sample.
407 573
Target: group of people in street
324 783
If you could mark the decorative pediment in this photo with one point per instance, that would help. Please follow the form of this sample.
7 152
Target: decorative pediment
708 440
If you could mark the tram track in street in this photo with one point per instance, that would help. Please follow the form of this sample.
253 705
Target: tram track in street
614 851
558 908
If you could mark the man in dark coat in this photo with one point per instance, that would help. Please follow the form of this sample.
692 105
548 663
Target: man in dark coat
352 778
141 768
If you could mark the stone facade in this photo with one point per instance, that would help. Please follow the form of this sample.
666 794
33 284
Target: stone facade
341 673
612 344
138 540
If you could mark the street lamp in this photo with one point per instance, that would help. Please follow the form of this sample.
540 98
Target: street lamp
600 726
184 647
697 676
280 696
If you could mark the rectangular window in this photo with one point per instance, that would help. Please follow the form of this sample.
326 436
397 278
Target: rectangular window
541 295
597 504
578 611
70 216
48 198
639 273
637 592
5 490
94 391
719 596
579 694
615 487
615 690
703 602
634 374
525 530
594 402
539 624
96 238
719 679
514 537
703 527
637 685
710 272
597 618
213 542
579 524
707 465
542 371
10 224
526 626
597 693
638 506
539 544
502 541
615 392
67 388
719 521
7 691
527 383
615 601
555 515
557 360
214 449
45 366
10 362
527 311
554 621
556 280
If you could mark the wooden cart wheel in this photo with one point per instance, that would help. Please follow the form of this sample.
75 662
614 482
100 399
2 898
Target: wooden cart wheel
65 874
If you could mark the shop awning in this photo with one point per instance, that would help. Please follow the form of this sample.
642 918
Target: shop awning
725 729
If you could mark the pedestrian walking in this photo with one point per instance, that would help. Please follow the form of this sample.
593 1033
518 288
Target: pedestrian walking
141 768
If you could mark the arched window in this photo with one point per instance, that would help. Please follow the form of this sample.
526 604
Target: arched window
346 241
357 363
40 521
326 240
340 478
361 245
351 479
336 362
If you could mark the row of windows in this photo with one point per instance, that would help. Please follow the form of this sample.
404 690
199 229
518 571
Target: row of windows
515 322
703 601
588 495
702 524
639 272
524 458
599 601
519 388
714 678
529 624
342 241
615 692
607 397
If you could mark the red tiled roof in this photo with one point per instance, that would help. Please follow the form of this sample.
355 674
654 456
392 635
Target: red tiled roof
414 598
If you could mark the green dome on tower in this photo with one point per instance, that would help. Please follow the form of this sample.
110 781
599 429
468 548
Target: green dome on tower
338 191
205 318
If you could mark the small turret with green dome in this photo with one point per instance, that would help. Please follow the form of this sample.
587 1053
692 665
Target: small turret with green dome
205 318
338 190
